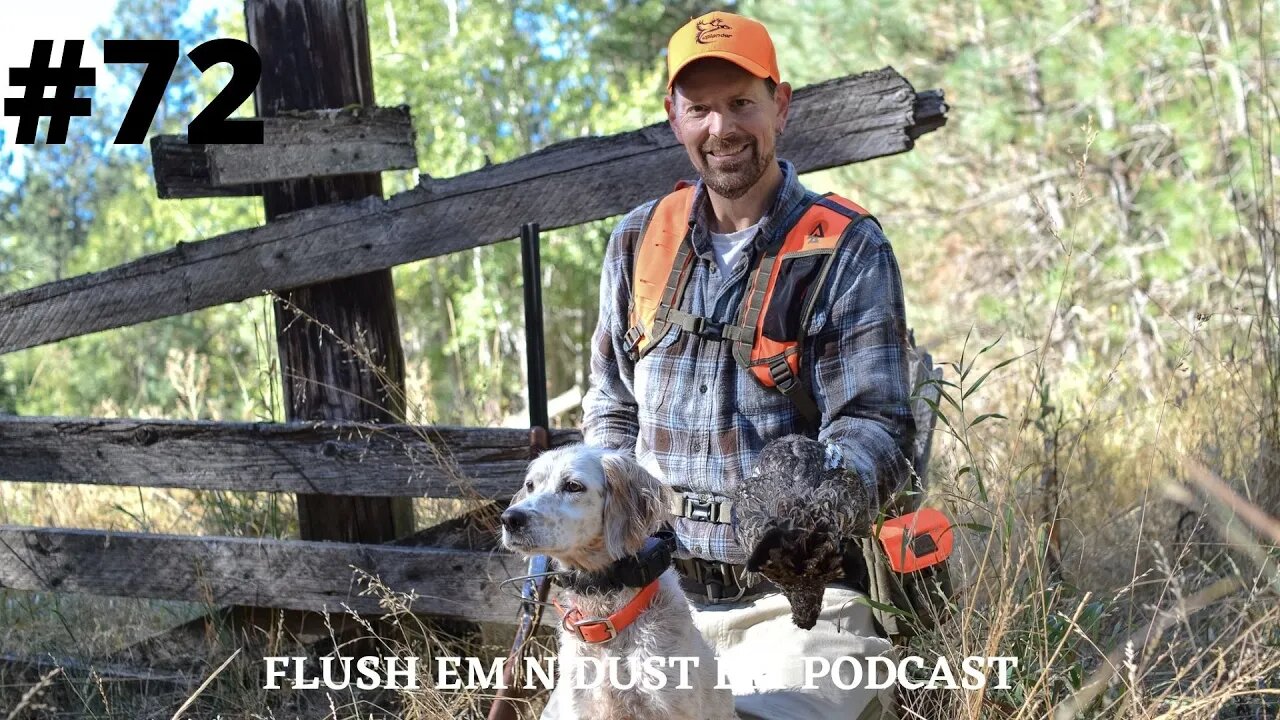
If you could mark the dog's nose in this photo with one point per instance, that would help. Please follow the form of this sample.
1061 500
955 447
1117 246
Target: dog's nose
513 519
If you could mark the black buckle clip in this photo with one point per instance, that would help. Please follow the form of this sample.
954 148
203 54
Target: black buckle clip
782 376
708 329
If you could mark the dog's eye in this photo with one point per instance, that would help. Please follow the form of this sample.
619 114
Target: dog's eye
573 486
528 486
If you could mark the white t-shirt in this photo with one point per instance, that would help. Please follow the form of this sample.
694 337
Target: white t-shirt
730 247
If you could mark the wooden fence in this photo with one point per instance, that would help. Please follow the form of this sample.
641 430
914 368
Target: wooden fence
352 471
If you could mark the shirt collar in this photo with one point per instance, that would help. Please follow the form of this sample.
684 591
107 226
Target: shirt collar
791 194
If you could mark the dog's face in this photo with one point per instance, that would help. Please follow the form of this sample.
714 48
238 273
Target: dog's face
585 507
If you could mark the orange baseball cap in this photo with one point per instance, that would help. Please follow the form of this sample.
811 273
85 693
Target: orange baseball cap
735 38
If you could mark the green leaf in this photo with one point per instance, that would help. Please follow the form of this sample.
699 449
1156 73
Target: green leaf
883 607
939 414
986 416
993 344
974 388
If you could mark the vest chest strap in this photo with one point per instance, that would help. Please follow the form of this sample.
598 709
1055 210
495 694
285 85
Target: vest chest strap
709 329
768 331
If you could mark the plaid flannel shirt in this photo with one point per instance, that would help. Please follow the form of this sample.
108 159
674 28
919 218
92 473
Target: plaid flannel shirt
697 420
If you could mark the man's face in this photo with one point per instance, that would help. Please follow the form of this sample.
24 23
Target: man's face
728 123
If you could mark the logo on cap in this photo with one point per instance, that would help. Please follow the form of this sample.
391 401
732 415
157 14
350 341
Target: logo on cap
711 30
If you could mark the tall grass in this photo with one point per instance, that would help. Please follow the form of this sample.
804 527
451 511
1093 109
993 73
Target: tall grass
1140 583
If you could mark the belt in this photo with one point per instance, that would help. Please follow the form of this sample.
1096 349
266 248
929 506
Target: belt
712 582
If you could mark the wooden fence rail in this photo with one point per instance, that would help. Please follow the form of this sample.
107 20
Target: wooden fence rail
292 574
835 123
356 459
299 145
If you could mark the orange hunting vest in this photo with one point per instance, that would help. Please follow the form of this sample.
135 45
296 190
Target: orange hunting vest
784 286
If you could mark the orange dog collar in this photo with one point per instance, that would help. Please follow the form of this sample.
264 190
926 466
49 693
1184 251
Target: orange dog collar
600 630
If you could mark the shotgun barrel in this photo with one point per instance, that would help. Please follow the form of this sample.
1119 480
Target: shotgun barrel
535 588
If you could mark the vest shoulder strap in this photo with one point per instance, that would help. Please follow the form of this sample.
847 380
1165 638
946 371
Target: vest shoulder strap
773 361
658 268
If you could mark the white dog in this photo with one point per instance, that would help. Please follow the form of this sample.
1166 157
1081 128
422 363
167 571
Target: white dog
592 511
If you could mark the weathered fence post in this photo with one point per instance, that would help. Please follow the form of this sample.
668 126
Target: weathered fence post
315 54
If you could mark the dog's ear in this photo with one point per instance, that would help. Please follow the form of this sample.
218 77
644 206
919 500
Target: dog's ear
634 504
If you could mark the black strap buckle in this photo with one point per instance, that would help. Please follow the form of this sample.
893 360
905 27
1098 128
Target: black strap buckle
632 339
783 378
703 508
707 329
698 510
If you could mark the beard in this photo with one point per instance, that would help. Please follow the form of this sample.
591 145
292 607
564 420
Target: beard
732 180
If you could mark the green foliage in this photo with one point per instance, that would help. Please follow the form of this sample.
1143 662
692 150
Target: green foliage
488 83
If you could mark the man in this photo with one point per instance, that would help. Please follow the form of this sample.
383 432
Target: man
698 417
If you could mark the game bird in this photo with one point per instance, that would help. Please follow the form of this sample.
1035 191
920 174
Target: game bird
796 515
